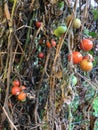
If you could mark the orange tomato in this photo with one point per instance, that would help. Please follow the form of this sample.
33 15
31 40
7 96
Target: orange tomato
15 90
22 96
86 45
22 87
76 57
48 44
53 43
86 65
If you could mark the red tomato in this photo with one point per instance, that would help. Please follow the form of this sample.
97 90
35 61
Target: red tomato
22 96
16 83
86 65
76 57
86 45
48 44
15 90
89 57
38 24
41 55
53 43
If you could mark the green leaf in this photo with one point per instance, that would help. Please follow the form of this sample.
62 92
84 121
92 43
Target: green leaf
95 12
93 34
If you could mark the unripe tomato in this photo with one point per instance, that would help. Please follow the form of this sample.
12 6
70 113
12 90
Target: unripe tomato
89 57
48 44
86 65
41 55
15 90
62 29
77 23
56 33
16 82
86 45
38 24
76 57
53 43
22 96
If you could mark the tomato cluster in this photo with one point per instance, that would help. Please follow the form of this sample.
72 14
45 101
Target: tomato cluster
18 90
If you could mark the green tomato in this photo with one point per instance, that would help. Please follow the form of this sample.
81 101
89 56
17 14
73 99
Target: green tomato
61 29
56 33
77 23
74 80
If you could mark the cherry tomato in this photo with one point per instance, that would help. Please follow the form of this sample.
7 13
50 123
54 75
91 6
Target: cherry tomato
86 65
22 96
15 90
48 44
41 55
16 82
38 24
86 45
53 43
89 57
76 57
22 87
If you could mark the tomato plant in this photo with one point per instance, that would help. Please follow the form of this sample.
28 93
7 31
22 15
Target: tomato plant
86 65
15 90
76 57
86 45
22 96
16 82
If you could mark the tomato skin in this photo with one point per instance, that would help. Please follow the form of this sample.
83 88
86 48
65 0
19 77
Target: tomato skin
38 24
41 55
86 45
15 90
86 65
76 57
53 43
16 83
48 44
22 96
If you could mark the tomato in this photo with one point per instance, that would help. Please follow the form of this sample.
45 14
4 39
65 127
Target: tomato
68 19
62 29
22 96
86 45
15 90
53 43
48 44
77 23
16 82
56 33
38 24
41 55
88 57
86 65
76 57
22 87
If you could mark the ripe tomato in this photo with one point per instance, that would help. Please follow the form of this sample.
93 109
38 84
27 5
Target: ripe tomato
86 65
16 82
76 57
86 45
22 96
22 87
48 44
15 90
38 24
41 55
89 57
53 43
